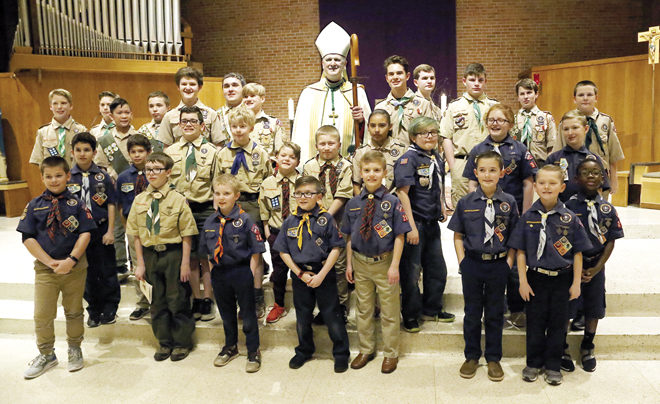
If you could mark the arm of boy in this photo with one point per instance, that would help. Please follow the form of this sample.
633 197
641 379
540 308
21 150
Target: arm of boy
255 260
413 235
356 189
139 257
35 249
349 260
78 250
393 271
293 267
614 179
266 229
511 257
336 205
528 193
109 236
588 274
459 247
577 276
448 146
185 259
316 279
525 290
472 185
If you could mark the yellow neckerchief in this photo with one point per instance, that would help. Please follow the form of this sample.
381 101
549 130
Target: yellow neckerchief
305 219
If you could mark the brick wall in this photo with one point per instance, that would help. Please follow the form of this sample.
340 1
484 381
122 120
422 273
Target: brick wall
270 42
508 37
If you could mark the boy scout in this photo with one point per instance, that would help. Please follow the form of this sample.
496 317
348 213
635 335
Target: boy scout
130 183
107 123
536 129
481 224
232 89
600 217
196 164
574 128
235 252
268 132
424 79
401 103
375 224
380 139
463 128
190 81
309 247
276 204
96 190
335 174
417 177
159 104
250 163
601 138
550 240
54 139
163 226
55 228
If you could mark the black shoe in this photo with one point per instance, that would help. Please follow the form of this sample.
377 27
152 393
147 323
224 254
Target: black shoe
197 308
109 318
93 321
179 354
567 364
298 361
344 313
577 324
162 353
138 314
207 310
318 320
341 365
445 317
411 325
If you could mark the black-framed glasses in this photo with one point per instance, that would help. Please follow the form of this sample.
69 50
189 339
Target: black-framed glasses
499 121
156 171
305 194
193 122
587 173
429 135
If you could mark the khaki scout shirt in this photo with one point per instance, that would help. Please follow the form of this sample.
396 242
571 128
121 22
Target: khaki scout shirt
170 131
460 125
150 130
176 219
392 150
437 113
45 145
98 130
417 106
225 128
200 189
607 131
271 199
121 139
269 133
544 132
258 162
344 178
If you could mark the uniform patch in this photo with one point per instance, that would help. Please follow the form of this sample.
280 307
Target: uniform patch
322 221
382 228
505 207
528 155
460 121
404 217
563 246
129 187
205 113
540 135
415 102
540 120
72 202
52 151
238 223
76 130
510 168
319 241
565 218
257 233
266 125
73 188
424 181
340 165
394 153
386 206
71 223
204 150
605 208
275 202
604 127
498 232
292 232
255 156
99 198
424 171
403 161
25 211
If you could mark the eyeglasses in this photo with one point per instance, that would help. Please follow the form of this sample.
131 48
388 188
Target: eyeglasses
154 170
429 135
305 194
500 121
185 122
587 173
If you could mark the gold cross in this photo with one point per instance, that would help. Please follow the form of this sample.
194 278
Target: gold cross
652 36
333 116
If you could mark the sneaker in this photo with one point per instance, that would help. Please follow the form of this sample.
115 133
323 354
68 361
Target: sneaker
577 324
530 374
39 365
518 320
253 362
162 353
260 305
553 378
108 318
197 309
138 313
75 359
207 310
567 364
445 317
341 365
588 360
93 321
469 368
275 313
122 273
411 325
297 361
179 354
495 372
344 313
227 354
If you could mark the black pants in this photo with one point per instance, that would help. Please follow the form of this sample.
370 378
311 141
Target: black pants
232 285
327 298
547 313
280 270
102 291
514 301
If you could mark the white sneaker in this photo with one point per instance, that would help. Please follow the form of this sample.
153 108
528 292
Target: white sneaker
75 359
39 365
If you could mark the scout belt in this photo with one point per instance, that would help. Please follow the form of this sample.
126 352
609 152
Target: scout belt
373 259
552 272
164 247
485 257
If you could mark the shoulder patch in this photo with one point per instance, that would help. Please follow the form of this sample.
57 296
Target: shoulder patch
257 233
505 207
403 161
565 218
322 221
43 126
72 202
605 208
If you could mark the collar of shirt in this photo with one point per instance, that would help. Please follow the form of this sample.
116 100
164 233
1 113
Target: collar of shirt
197 104
262 116
248 147
121 136
409 94
595 114
233 215
197 142
497 196
316 212
559 207
582 198
386 147
534 111
92 169
470 99
429 99
422 152
333 162
292 177
378 194
165 189
507 140
134 170
153 124
66 194
581 150
56 125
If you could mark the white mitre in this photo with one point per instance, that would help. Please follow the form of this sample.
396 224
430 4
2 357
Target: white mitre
333 40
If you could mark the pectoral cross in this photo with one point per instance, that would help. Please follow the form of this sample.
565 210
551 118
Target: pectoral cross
652 36
333 116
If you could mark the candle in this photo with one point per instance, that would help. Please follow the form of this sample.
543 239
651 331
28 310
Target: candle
291 109
443 103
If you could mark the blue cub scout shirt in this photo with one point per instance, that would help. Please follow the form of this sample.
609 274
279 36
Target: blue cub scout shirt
469 220
414 169
608 221
76 219
315 246
568 159
102 191
565 236
388 222
241 237
126 189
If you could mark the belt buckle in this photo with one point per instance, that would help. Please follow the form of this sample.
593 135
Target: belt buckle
160 247
547 272
486 257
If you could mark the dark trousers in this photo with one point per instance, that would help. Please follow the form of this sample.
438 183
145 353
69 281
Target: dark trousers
547 313
280 270
514 301
171 314
327 298
483 290
102 291
426 255
232 285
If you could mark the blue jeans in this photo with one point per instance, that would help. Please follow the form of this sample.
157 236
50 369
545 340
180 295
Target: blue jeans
426 255
231 285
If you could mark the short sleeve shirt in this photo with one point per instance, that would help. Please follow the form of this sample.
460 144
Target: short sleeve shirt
392 150
271 198
543 131
258 165
101 189
47 141
200 187
460 124
126 188
414 169
607 221
568 159
170 131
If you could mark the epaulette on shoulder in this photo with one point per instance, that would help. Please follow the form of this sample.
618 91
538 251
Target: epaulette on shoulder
96 126
491 98
605 115
44 125
378 101
454 100
313 158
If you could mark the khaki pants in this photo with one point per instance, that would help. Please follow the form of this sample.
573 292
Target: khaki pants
47 288
142 302
459 184
371 277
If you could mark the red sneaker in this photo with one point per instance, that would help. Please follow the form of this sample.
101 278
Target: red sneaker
275 314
